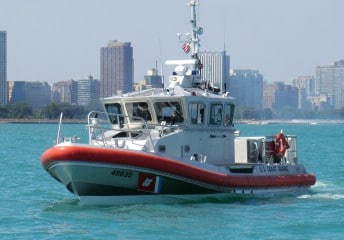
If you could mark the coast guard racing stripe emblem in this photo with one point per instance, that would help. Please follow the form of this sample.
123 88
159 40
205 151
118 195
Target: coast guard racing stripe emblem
148 183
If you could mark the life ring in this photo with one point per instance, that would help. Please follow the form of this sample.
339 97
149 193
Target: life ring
281 145
271 149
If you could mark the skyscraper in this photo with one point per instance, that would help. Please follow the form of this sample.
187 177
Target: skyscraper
16 92
65 91
305 85
88 91
306 82
215 69
116 69
246 86
37 94
152 78
329 80
3 69
279 96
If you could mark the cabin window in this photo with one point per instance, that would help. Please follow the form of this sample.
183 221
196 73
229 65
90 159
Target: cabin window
169 111
138 110
215 115
162 148
114 110
196 112
229 114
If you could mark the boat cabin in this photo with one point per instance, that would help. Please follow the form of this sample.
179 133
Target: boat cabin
186 121
187 116
193 110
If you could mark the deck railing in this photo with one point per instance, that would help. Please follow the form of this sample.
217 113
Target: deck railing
103 127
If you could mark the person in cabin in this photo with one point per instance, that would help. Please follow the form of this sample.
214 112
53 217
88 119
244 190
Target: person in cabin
176 117
227 121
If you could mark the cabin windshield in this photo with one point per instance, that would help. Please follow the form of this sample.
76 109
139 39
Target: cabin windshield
229 114
221 115
169 111
215 115
196 112
114 108
138 110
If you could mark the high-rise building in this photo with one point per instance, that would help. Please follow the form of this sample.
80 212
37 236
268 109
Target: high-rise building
65 92
269 95
35 94
3 68
88 91
280 96
329 80
305 86
215 70
116 69
246 86
152 78
16 91
286 97
306 82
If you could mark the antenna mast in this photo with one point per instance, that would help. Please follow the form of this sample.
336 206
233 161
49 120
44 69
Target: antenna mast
195 29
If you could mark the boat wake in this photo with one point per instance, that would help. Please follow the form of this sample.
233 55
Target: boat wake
325 191
325 196
62 205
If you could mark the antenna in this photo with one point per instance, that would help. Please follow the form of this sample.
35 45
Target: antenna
196 30
162 77
161 65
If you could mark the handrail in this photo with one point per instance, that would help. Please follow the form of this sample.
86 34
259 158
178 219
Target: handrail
123 124
59 138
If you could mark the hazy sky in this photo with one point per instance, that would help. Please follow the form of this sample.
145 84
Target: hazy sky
55 40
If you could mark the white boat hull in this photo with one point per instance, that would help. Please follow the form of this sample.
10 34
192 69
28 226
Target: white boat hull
99 175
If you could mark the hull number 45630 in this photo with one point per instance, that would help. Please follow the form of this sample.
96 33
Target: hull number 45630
119 173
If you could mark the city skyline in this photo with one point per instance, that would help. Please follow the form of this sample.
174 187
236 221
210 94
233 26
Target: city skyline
57 40
3 67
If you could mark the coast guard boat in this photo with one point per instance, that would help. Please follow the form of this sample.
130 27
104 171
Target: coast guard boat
173 144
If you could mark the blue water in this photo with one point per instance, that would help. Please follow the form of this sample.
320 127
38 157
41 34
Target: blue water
35 206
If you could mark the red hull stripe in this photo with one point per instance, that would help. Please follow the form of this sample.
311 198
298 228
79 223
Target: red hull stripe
149 161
